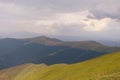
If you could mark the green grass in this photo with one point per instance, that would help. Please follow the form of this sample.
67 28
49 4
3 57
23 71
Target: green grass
106 67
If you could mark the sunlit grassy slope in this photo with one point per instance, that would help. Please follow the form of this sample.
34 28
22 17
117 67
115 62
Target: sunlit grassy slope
106 67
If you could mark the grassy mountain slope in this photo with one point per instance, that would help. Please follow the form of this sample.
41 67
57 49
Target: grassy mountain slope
105 67
9 74
49 51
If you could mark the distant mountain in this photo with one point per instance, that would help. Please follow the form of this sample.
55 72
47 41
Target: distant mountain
84 44
43 40
106 67
48 51
111 43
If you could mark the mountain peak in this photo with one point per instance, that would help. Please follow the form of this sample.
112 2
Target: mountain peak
42 37
43 40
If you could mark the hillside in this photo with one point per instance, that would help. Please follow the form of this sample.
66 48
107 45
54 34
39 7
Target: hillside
105 67
90 45
37 50
43 40
7 45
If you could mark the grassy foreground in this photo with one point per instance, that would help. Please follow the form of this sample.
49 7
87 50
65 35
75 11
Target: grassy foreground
105 67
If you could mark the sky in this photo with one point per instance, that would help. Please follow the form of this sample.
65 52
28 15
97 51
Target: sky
77 19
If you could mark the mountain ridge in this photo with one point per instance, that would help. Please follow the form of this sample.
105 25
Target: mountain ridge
19 51
43 40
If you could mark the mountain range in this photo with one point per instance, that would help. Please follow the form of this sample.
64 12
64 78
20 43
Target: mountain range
49 51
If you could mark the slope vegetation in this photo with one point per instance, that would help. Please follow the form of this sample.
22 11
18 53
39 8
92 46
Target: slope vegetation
106 67
48 51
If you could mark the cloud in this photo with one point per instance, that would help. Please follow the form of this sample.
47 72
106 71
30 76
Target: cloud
96 25
106 9
100 8
10 8
77 19
61 17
